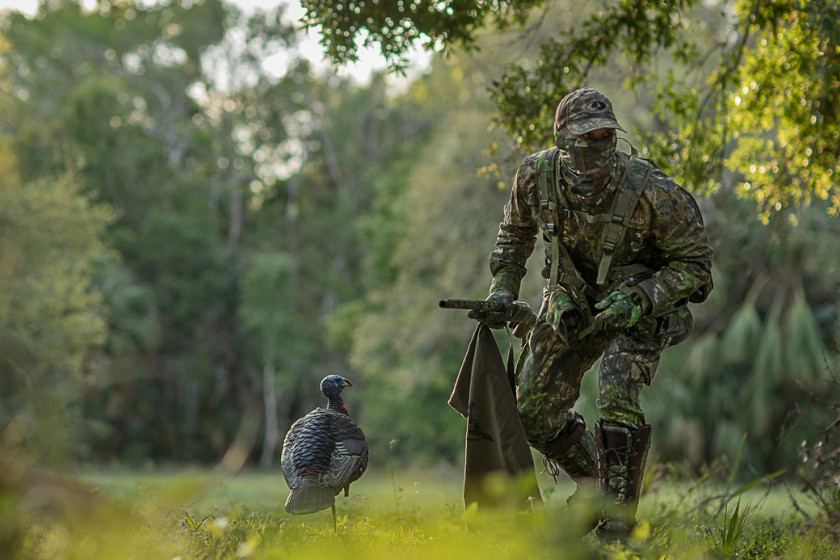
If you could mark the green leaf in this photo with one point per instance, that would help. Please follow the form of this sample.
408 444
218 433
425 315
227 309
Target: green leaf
742 338
769 365
804 353
703 358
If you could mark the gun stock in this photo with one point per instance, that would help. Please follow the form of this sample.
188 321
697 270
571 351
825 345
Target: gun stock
474 305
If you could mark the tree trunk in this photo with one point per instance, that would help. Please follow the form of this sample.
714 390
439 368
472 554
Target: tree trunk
270 401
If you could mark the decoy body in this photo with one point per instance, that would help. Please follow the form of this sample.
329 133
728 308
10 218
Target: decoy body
323 453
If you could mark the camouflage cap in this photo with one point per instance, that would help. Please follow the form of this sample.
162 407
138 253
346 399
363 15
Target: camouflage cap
585 110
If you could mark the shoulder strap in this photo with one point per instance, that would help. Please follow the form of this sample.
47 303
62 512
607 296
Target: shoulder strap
633 182
547 184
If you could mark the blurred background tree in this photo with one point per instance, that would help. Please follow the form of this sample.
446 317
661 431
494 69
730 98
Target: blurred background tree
195 241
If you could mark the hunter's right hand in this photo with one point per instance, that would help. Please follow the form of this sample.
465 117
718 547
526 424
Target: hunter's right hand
494 320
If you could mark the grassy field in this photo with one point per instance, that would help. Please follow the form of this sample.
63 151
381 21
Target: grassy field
406 515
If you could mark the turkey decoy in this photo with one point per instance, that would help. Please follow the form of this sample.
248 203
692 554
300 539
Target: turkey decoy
323 453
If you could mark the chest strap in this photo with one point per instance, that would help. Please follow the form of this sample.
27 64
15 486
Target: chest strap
629 190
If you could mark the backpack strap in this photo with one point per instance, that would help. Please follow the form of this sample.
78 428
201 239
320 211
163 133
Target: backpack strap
553 213
546 165
630 188
547 185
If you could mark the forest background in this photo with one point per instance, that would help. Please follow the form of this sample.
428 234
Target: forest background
191 242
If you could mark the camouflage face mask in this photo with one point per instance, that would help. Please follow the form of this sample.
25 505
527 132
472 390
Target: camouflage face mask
587 162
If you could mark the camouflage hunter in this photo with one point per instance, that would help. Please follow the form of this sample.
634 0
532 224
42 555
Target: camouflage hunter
625 251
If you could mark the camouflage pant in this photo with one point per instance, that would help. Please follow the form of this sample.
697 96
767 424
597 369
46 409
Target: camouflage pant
549 382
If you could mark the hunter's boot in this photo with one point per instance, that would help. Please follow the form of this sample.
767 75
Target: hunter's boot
622 453
574 451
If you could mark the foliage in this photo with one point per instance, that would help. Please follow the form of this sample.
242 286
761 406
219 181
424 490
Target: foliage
730 518
51 313
783 108
820 460
396 27
270 330
732 529
48 304
528 93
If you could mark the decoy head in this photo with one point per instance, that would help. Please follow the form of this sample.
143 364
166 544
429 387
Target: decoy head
331 386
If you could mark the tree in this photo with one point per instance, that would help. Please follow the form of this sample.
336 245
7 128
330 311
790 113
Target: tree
50 312
265 313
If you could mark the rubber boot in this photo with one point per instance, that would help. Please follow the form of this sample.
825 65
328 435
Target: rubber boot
622 453
573 451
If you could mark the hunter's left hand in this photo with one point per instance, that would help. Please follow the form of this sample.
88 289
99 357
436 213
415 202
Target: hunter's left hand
619 310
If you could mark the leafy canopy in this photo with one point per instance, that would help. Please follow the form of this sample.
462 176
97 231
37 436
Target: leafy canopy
743 93
395 26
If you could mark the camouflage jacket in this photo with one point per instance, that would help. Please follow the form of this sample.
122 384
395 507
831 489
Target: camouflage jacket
665 233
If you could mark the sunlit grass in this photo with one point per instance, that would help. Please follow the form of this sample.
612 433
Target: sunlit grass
410 514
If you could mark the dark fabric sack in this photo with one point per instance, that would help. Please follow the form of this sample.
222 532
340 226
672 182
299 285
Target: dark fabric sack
496 446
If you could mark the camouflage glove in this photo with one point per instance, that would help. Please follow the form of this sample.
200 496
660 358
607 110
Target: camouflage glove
494 320
562 311
619 310
563 314
523 320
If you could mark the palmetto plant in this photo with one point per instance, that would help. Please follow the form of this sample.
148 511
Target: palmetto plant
762 343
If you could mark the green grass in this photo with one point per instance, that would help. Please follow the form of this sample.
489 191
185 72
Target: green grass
410 515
